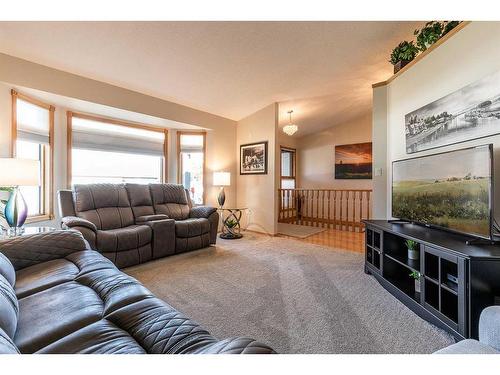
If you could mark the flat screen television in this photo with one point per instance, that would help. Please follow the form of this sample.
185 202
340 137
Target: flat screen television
451 190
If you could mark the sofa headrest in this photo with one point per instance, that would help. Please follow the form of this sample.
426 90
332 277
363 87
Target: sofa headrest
168 193
9 308
7 270
139 195
94 196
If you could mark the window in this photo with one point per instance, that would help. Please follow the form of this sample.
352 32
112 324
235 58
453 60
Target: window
288 168
113 151
32 138
191 164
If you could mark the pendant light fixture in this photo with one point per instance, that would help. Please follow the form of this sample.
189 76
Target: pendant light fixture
290 129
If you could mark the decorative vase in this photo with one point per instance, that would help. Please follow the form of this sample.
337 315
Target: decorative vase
417 285
413 254
399 65
16 210
221 198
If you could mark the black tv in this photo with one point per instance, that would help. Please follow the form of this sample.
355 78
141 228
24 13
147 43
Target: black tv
451 190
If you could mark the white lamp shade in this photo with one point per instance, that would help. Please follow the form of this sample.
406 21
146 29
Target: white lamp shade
19 172
222 178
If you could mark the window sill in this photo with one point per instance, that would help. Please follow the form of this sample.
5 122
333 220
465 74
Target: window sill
39 218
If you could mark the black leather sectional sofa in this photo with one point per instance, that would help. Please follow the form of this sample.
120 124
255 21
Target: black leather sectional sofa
132 223
58 296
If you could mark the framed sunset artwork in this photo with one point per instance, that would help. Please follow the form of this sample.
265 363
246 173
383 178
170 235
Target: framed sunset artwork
354 161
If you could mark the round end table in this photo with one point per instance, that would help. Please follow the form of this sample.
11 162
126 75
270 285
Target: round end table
231 217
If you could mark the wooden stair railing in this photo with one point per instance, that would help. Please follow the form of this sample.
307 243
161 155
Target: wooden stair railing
327 208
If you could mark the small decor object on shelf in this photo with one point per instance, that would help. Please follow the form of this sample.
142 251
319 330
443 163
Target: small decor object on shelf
413 252
253 158
15 173
416 276
222 179
429 34
448 26
403 54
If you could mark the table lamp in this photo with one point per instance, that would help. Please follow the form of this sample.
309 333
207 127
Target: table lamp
15 173
222 179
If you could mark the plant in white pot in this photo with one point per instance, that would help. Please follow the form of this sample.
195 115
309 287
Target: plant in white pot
413 250
416 276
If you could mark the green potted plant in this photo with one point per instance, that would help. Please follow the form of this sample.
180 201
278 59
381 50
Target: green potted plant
429 34
231 223
413 251
448 26
416 275
403 54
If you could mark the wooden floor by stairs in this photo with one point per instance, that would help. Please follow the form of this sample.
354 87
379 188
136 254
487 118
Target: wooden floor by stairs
352 241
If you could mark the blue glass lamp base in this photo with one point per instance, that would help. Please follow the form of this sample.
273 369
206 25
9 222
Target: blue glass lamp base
16 210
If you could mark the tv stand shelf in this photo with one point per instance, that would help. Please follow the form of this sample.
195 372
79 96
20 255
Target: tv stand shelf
457 280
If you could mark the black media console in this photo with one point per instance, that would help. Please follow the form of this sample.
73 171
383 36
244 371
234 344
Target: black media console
457 280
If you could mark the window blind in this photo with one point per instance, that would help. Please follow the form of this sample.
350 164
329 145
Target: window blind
32 122
191 143
95 135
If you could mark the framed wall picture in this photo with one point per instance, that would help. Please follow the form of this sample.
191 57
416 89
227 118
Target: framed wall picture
253 158
469 113
353 162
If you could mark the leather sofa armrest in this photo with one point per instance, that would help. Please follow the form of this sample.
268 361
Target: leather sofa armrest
238 345
69 222
143 219
202 212
489 327
25 251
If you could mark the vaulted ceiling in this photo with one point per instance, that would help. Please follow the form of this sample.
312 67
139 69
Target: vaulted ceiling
322 70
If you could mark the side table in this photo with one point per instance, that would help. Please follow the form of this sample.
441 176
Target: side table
231 217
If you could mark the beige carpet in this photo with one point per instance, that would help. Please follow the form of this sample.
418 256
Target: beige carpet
296 297
298 231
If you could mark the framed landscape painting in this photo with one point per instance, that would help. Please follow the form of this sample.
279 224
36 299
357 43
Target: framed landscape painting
253 158
469 113
353 162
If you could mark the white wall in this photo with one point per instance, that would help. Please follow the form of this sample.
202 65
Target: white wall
258 193
466 57
316 159
380 154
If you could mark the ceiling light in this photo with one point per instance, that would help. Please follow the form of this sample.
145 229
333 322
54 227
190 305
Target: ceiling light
290 129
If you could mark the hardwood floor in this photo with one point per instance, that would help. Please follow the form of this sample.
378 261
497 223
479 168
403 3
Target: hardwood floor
352 241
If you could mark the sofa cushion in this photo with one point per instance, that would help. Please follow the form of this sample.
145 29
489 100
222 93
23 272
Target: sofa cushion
157 326
170 200
7 270
468 346
9 308
105 205
43 276
54 313
120 239
7 346
140 199
191 227
101 337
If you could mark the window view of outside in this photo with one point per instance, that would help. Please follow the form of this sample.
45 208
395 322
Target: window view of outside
287 172
91 166
32 194
191 163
